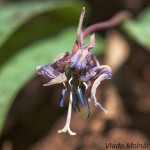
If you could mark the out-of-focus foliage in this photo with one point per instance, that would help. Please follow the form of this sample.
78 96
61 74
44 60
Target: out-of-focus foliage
13 16
24 23
139 30
38 33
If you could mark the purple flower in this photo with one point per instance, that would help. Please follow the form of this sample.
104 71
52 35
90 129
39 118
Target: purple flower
80 69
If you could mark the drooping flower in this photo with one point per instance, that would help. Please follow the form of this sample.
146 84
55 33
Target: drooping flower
81 69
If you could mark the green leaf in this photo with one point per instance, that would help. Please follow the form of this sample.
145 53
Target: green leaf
21 67
14 15
144 16
139 30
22 24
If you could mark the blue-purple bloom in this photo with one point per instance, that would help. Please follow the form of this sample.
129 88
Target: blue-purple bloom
78 72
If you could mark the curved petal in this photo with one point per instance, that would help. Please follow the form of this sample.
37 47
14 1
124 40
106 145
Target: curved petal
80 38
94 87
103 70
47 71
97 71
91 43
59 79
60 58
73 62
79 59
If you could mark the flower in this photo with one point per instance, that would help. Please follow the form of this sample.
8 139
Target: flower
81 69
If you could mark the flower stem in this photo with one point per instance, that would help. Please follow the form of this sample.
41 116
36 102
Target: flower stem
115 20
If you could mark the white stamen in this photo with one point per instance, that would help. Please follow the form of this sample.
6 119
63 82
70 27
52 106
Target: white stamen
86 87
64 85
70 80
67 125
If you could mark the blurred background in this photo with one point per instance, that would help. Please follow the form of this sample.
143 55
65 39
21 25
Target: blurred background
34 32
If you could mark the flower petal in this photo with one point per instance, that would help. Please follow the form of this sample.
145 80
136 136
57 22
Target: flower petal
97 71
79 59
80 38
60 58
91 43
94 87
47 71
60 62
59 79
103 70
